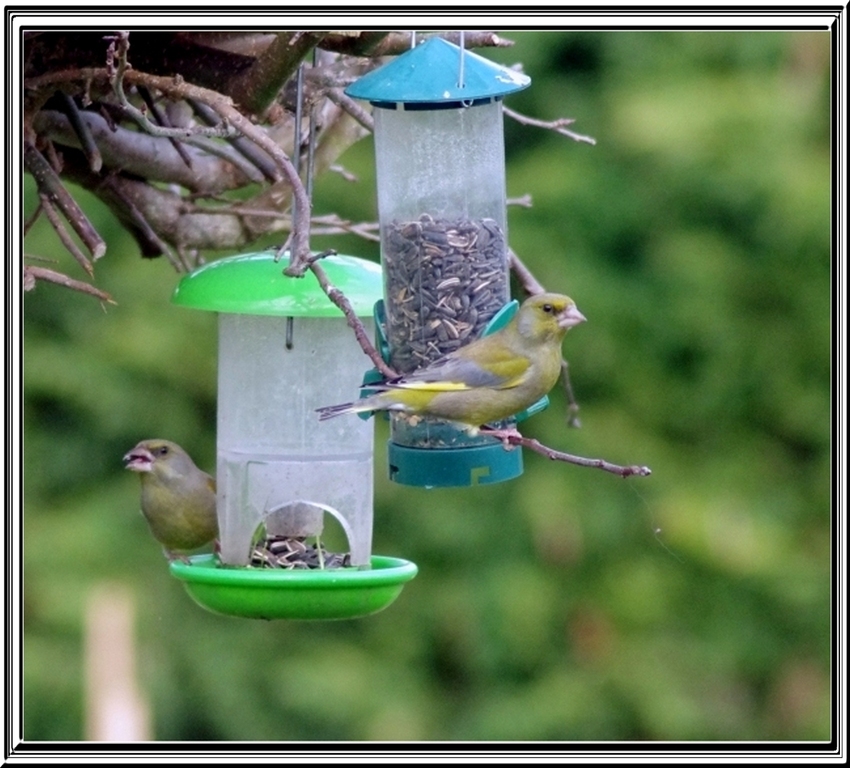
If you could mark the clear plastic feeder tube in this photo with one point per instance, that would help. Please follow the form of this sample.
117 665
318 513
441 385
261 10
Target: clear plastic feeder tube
276 464
441 201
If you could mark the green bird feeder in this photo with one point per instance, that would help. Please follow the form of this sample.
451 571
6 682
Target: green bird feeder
284 351
439 148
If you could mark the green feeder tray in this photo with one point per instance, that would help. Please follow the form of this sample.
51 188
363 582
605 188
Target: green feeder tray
263 593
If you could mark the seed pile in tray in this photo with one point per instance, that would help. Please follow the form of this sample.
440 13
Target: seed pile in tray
293 552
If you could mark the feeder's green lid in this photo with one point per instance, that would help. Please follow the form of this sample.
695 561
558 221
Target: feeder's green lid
254 284
430 73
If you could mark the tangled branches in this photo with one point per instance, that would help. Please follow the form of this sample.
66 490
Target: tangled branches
191 140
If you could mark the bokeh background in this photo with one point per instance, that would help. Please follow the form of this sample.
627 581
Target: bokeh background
568 604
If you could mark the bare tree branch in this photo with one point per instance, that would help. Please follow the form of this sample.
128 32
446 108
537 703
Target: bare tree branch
248 150
510 438
223 106
150 157
338 96
395 43
338 298
32 274
81 128
532 287
528 281
51 187
255 88
64 236
573 408
559 126
162 119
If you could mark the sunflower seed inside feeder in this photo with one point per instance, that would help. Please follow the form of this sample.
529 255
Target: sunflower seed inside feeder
446 278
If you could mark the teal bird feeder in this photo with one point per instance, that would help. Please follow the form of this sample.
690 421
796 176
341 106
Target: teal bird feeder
439 148
285 350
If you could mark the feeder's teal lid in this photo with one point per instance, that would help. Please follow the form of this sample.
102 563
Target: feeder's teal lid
430 73
254 284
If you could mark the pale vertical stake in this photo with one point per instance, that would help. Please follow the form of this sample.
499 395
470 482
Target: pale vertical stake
115 709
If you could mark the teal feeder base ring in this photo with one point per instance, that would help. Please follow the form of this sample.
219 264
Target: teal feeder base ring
266 593
453 467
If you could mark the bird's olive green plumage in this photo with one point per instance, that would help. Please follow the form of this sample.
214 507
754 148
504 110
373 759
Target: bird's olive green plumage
488 380
178 499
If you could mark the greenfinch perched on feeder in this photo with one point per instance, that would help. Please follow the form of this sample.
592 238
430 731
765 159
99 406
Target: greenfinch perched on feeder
178 499
487 380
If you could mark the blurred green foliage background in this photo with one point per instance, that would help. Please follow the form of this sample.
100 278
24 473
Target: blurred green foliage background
568 604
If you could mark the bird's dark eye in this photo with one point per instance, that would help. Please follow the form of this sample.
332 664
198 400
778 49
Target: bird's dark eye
162 450
548 308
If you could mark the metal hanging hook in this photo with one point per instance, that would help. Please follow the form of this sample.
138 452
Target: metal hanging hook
290 323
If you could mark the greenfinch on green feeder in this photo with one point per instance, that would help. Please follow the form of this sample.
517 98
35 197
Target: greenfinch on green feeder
178 499
487 380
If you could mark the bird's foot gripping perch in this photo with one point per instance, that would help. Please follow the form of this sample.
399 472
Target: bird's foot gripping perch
510 437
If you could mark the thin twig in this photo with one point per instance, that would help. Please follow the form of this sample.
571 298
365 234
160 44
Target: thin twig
523 201
572 405
64 235
147 231
45 259
342 171
559 126
230 154
81 128
162 119
50 185
399 42
331 224
528 281
338 97
32 219
328 224
532 287
245 148
31 274
514 438
338 298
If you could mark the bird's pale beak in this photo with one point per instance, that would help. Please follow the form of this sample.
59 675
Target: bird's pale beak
138 460
570 317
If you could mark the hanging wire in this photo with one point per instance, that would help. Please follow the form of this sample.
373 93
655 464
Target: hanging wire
296 141
296 161
311 137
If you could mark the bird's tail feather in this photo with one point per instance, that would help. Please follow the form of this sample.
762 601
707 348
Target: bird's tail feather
329 411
